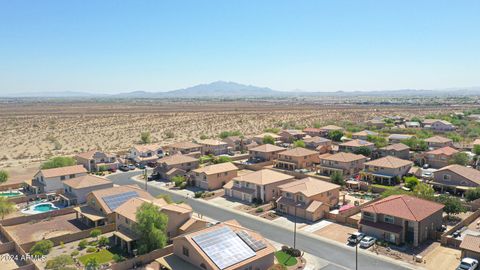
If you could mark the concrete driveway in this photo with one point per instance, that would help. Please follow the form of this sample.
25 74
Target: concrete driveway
442 258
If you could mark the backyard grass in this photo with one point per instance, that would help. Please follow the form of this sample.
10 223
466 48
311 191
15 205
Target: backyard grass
103 256
285 259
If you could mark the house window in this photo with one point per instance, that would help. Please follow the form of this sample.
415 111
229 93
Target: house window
389 219
202 265
368 216
126 221
446 177
300 198
72 176
62 177
288 195
185 252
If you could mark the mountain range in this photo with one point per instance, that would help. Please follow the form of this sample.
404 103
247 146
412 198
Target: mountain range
222 89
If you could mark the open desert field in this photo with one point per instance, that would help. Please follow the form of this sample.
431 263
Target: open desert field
35 130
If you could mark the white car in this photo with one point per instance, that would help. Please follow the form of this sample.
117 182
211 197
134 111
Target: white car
367 241
468 264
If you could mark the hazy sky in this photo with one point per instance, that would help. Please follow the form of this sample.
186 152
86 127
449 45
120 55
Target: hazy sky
110 46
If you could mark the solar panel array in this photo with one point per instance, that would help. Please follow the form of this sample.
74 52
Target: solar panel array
254 244
224 247
114 201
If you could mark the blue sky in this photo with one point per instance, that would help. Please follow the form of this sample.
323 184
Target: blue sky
115 46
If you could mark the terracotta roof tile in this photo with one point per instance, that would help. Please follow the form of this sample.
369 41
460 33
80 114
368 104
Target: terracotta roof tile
389 162
404 206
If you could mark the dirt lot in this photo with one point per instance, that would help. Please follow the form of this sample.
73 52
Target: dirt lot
336 232
442 258
35 130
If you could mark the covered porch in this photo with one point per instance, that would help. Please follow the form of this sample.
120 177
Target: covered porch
323 170
89 216
68 199
383 179
285 165
125 239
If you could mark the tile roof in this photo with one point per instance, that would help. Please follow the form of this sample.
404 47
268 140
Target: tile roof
146 147
93 153
316 139
312 129
55 172
129 208
365 133
400 136
396 147
342 157
331 127
471 242
211 142
273 135
389 162
438 139
298 152
184 145
469 173
357 143
308 186
447 150
216 168
87 181
404 206
176 159
293 132
267 148
101 193
263 177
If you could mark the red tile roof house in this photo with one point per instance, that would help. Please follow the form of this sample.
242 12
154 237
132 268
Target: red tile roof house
311 197
314 132
92 160
290 135
214 147
185 148
237 143
386 170
363 135
437 158
265 152
319 144
260 185
177 164
145 153
76 189
456 178
398 150
438 125
347 164
297 158
438 142
259 138
353 145
402 219
51 180
329 128
213 177
470 247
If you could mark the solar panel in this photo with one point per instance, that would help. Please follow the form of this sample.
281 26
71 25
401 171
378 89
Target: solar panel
254 244
114 201
224 247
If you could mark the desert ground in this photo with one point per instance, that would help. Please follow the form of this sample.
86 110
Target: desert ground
32 131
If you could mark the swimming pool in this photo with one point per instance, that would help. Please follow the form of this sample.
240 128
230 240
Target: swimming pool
12 193
39 208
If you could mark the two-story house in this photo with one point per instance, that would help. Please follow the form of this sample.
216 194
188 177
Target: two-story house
174 165
363 135
75 190
257 186
386 170
401 219
185 148
347 164
308 198
438 125
438 142
353 145
214 176
259 138
398 138
265 152
313 132
213 147
319 144
377 123
329 128
237 143
145 153
51 180
297 158
291 135
95 160
456 178
437 158
398 150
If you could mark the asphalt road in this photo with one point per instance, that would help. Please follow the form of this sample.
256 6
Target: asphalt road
339 257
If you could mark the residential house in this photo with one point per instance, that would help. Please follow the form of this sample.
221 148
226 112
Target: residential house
126 219
353 145
308 198
438 142
398 150
102 203
470 246
348 164
237 143
402 219
145 153
75 190
456 178
51 180
297 158
386 170
185 148
224 246
259 138
213 177
377 123
291 135
174 165
213 147
320 144
257 186
412 124
96 160
398 138
265 152
329 128
363 135
437 158
314 132
438 125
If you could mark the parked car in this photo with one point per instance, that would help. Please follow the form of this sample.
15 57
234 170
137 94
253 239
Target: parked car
151 164
131 167
153 176
367 241
141 166
355 238
112 169
468 264
124 168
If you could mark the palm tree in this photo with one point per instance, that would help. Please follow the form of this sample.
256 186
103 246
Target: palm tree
6 207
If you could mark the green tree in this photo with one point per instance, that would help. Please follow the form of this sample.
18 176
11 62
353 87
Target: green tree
92 264
335 135
225 134
299 143
178 180
222 159
203 137
337 178
61 262
267 139
58 162
453 205
423 191
151 227
363 150
411 182
146 137
166 197
103 241
379 141
455 137
6 207
95 233
41 247
272 130
472 194
394 191
460 159
3 176
476 149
